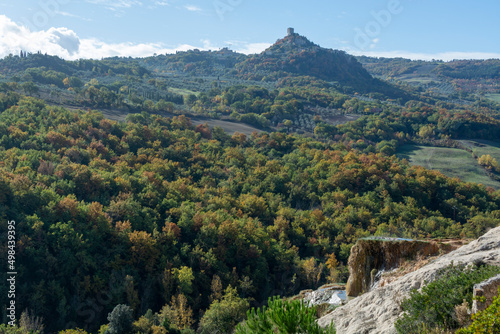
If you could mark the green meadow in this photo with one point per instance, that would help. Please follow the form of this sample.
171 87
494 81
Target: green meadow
452 162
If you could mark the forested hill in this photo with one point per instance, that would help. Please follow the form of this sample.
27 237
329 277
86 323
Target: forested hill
297 56
156 214
196 62
29 66
293 55
457 79
460 69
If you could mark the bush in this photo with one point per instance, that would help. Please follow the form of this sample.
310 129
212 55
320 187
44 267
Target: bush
283 317
487 321
434 306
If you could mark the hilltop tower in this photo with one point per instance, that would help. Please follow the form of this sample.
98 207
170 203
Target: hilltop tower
290 32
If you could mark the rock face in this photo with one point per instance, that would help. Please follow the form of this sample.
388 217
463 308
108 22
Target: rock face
333 295
368 257
487 289
377 310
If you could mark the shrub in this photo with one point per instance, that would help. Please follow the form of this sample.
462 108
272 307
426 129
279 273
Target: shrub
435 305
486 321
283 317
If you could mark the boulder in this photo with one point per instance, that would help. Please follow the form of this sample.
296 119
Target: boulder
332 295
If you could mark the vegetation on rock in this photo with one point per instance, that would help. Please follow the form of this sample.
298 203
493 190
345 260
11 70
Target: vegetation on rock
434 306
486 321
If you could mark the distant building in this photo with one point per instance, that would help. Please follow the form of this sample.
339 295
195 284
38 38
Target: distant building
290 31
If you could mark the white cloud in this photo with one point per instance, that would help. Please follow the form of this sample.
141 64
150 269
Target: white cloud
14 37
175 4
65 43
72 15
374 43
252 48
193 8
342 14
116 4
65 38
164 2
246 47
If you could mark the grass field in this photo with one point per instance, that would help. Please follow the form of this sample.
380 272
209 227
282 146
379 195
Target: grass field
449 161
494 97
483 147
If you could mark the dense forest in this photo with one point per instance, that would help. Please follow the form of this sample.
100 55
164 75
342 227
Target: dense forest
184 228
154 210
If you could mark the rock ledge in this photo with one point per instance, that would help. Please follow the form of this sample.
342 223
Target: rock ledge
377 310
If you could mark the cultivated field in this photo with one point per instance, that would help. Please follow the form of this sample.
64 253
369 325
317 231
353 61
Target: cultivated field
449 161
483 147
494 97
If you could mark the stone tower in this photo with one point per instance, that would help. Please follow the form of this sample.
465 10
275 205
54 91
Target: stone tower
290 31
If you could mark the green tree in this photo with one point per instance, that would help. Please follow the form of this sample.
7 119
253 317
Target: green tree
178 315
185 278
190 99
120 320
223 315
30 88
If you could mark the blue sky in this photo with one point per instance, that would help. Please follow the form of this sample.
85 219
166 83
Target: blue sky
418 29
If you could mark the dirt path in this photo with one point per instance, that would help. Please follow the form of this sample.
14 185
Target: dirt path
229 126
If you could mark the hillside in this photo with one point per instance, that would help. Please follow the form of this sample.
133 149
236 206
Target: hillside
296 55
465 82
195 62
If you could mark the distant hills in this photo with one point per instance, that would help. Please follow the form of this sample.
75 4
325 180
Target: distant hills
457 79
291 60
293 55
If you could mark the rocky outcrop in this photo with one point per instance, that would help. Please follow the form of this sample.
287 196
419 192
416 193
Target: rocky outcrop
371 256
484 293
329 294
377 310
